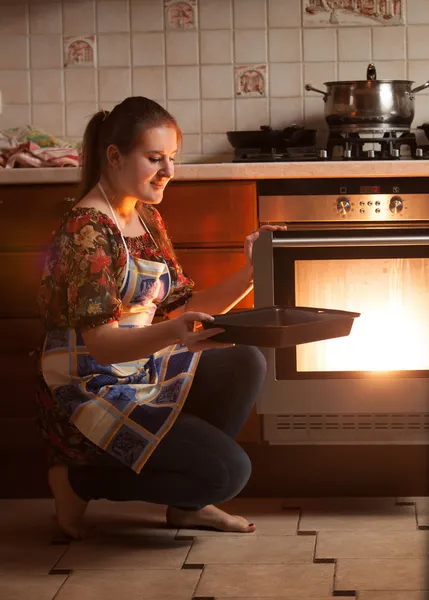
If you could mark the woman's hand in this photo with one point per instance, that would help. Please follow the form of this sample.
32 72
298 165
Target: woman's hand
250 240
196 341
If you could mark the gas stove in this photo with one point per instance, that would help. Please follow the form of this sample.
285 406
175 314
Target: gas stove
342 146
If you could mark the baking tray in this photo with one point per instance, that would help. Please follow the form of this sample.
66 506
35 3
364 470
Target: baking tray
282 326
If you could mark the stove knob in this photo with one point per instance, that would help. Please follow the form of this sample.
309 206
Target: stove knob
419 153
371 153
396 205
343 205
395 153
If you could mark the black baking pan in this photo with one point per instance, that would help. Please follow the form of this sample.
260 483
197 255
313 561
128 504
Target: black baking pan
267 138
282 326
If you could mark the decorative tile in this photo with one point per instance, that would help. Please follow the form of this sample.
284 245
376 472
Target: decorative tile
80 85
182 47
215 14
216 47
148 49
14 19
49 117
217 81
251 81
45 18
249 14
47 85
79 51
149 82
183 83
284 45
181 14
15 87
217 116
112 16
250 46
114 84
251 113
79 17
147 15
284 13
317 14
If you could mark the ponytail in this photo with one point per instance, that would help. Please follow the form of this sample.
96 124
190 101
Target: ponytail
91 154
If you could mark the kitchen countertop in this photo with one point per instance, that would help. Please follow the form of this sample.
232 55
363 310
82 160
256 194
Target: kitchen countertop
228 170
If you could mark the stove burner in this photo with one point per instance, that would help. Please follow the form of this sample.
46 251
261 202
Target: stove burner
383 146
288 155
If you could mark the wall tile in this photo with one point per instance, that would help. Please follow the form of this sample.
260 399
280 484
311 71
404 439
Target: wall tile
284 45
217 81
250 46
354 43
316 74
187 114
250 14
392 69
13 52
286 111
314 113
251 113
114 50
45 18
285 80
46 51
417 41
15 115
47 86
216 47
147 15
77 116
112 16
320 45
80 85
49 117
114 84
215 144
352 70
148 49
388 43
215 14
418 72
79 18
191 145
14 19
417 12
15 87
182 47
183 83
149 82
217 116
284 13
421 110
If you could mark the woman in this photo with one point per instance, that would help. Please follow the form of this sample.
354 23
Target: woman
112 399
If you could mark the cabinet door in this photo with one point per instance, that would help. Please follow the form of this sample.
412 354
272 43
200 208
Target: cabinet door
20 276
208 267
209 213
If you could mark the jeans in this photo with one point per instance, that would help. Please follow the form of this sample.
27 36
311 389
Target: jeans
197 462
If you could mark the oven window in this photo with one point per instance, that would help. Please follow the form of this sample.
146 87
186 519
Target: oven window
392 295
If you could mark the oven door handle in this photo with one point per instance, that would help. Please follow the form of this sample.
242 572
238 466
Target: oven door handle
343 242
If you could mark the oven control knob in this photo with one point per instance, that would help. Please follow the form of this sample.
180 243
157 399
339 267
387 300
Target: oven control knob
396 205
343 205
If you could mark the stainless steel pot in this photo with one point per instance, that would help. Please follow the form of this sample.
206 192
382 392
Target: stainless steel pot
370 105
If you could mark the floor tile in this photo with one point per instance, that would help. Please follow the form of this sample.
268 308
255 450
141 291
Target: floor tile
30 587
372 544
133 585
125 552
252 549
389 595
421 504
257 581
380 574
27 521
266 513
29 559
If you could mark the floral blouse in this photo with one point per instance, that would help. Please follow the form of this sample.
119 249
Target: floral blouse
85 267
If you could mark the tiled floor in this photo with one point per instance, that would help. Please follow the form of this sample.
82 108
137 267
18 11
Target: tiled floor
371 549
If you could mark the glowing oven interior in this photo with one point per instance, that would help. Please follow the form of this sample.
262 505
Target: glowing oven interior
392 296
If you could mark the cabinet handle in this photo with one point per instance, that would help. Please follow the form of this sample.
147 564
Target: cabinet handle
69 199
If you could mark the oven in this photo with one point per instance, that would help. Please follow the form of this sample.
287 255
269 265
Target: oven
360 245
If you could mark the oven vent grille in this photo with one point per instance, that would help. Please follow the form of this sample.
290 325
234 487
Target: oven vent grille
397 428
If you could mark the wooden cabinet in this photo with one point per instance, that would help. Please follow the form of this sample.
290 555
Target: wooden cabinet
207 222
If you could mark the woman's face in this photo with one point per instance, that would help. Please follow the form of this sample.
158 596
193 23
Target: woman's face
144 173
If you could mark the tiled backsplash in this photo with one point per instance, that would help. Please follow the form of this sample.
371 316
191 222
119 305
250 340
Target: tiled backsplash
216 65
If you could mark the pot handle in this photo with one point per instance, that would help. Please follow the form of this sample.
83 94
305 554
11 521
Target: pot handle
310 88
419 88
371 73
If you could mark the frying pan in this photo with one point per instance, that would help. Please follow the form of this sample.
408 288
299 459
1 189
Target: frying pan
267 138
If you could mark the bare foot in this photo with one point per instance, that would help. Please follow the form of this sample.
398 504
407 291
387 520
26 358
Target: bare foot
69 507
209 516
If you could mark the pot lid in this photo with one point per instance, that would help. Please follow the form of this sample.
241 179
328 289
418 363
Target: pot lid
368 83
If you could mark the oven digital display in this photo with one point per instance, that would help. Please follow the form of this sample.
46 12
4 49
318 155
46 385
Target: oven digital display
369 189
